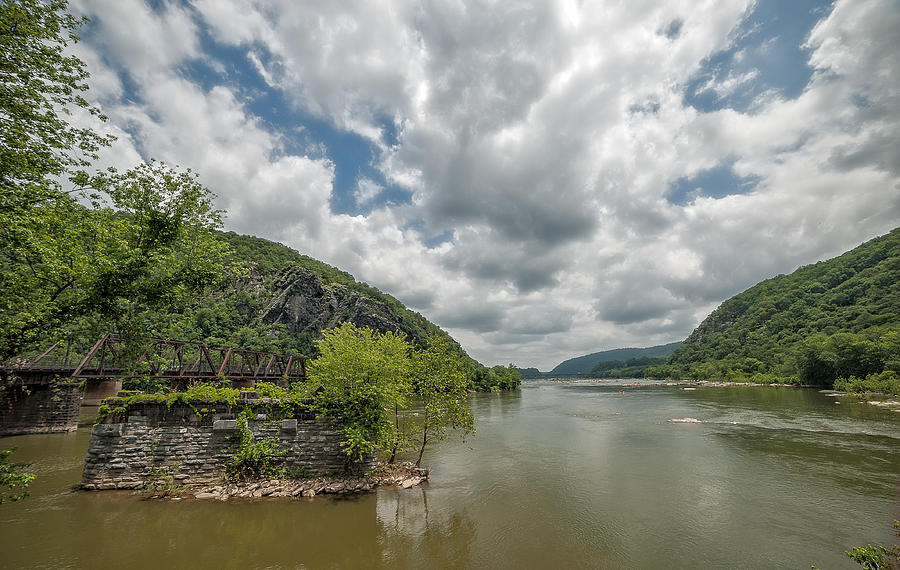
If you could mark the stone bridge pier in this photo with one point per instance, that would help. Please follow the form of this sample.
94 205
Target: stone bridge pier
38 402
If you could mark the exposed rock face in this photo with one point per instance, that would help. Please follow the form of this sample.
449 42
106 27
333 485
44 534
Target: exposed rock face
36 403
304 305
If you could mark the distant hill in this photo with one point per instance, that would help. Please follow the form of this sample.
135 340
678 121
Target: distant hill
835 319
584 364
531 373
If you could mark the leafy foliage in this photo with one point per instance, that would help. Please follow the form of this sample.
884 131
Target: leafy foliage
13 477
831 320
823 359
358 376
254 459
877 557
885 382
199 392
441 385
127 262
40 86
496 378
42 229
364 378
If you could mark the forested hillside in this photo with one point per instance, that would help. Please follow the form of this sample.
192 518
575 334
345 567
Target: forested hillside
631 368
283 299
836 319
584 364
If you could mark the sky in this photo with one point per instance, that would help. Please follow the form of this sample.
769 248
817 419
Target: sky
541 179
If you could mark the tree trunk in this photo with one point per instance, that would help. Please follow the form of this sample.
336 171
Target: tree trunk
396 441
422 449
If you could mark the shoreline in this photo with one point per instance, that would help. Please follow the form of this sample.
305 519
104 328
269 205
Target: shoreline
885 401
403 475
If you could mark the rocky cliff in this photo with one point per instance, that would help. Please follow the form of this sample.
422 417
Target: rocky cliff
303 304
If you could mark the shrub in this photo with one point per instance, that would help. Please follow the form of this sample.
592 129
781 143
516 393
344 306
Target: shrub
253 460
885 382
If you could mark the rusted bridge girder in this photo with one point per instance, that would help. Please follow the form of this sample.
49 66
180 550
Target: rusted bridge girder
164 358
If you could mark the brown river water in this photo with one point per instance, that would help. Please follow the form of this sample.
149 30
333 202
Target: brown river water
557 476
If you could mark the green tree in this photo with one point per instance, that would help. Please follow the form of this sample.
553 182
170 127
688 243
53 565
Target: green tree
40 87
357 378
42 236
162 251
132 263
13 477
442 386
509 377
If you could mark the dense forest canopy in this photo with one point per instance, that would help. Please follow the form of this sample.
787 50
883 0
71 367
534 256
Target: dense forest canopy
836 319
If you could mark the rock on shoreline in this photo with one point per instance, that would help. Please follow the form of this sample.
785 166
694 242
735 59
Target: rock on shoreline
402 475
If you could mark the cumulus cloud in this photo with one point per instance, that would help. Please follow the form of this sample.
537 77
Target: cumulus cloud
542 138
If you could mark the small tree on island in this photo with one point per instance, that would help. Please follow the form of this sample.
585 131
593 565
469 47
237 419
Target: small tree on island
358 377
442 386
365 379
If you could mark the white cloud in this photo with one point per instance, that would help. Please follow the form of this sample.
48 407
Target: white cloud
545 135
367 190
730 84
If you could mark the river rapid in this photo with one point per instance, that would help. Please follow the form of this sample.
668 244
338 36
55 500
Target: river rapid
558 475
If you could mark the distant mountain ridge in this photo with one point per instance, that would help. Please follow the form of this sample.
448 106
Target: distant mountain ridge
584 364
531 373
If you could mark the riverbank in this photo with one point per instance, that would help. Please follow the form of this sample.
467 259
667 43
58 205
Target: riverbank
885 401
403 475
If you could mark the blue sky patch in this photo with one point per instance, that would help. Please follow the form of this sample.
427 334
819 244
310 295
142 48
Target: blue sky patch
303 134
437 240
716 182
765 56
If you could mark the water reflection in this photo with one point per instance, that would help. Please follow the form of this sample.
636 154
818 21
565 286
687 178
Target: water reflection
414 537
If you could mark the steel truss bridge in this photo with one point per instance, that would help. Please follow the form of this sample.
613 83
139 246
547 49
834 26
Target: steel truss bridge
183 362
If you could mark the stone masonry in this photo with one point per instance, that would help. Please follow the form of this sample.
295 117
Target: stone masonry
38 404
192 444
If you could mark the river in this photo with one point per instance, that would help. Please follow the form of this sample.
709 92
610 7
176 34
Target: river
572 475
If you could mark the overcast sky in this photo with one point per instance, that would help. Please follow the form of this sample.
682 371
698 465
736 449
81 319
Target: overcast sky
541 179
